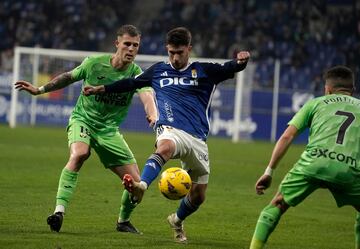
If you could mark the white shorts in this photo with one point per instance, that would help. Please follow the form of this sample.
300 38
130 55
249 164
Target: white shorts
192 152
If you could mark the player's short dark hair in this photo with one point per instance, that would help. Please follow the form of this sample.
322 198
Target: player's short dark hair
180 36
128 29
340 77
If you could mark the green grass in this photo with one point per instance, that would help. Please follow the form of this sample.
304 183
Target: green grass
31 160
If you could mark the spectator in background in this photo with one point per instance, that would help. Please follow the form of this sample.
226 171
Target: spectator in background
7 60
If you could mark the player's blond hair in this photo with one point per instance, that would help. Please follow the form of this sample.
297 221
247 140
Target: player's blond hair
128 29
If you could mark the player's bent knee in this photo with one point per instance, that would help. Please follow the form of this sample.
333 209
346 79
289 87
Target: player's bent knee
279 202
79 157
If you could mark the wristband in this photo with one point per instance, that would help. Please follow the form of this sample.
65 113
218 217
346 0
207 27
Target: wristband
41 89
268 171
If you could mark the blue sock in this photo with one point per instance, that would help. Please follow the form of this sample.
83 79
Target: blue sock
186 208
152 168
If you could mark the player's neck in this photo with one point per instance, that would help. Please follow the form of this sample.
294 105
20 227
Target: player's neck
117 63
181 68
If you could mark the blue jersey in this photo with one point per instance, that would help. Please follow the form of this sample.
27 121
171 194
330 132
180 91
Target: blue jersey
183 97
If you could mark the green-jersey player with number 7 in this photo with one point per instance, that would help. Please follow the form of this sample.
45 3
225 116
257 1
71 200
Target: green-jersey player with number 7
330 160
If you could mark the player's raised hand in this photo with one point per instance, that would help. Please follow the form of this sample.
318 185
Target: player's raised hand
263 183
242 57
22 85
91 90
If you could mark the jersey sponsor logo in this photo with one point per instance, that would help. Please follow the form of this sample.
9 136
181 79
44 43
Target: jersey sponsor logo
169 112
333 155
178 81
117 99
164 74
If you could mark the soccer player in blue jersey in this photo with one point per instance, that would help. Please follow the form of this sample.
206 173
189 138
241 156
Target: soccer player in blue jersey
183 93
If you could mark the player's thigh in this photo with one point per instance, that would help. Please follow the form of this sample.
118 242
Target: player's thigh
347 194
192 152
113 150
79 132
196 161
168 142
296 186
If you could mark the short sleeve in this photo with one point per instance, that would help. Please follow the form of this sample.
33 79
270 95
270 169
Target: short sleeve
303 117
79 73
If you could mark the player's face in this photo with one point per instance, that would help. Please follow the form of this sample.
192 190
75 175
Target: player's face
127 47
178 55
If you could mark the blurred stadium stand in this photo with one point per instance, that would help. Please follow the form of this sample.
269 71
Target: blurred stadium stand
307 36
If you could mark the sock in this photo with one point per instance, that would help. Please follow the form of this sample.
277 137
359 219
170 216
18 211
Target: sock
186 208
266 224
357 231
67 185
126 207
152 168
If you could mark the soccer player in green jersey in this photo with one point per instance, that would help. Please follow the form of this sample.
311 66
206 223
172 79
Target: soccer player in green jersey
330 159
94 122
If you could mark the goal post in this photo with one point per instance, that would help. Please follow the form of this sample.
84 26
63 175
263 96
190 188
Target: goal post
39 65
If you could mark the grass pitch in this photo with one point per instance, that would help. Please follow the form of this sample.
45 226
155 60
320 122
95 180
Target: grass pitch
31 160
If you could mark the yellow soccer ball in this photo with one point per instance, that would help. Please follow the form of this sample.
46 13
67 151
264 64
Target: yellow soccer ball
174 183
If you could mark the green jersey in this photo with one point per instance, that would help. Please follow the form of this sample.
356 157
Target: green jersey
333 149
104 111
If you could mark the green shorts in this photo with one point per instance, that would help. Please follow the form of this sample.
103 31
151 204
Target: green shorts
111 147
297 185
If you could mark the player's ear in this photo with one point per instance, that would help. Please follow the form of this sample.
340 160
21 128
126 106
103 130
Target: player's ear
328 89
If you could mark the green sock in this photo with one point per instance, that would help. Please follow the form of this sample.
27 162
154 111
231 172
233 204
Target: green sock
126 207
357 231
67 185
266 224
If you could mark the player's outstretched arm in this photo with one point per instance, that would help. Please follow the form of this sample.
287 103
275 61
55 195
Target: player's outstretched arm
279 151
57 83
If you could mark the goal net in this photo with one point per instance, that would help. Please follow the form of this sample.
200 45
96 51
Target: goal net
230 105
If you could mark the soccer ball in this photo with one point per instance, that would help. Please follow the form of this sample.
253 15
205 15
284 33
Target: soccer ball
174 183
